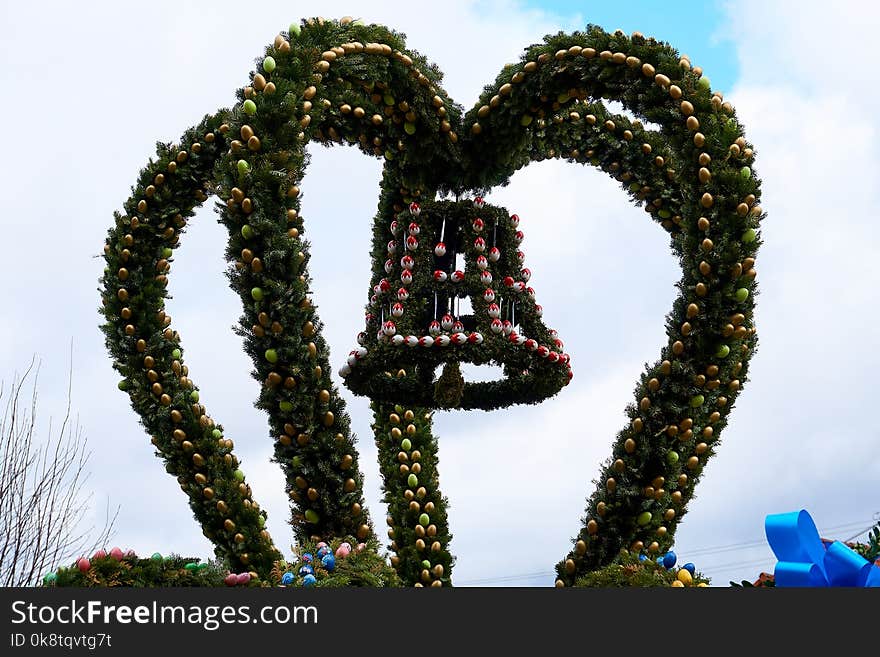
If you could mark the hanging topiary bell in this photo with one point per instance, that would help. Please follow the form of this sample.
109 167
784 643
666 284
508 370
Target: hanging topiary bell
453 290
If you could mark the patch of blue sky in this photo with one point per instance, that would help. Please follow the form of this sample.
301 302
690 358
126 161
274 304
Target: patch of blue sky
698 29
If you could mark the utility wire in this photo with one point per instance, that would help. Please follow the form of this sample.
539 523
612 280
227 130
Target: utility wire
740 564
698 552
763 541
855 536
506 578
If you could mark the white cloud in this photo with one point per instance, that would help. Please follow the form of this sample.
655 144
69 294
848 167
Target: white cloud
93 104
801 435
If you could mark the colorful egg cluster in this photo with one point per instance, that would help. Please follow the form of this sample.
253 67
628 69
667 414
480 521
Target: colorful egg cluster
101 561
237 579
84 563
684 576
318 564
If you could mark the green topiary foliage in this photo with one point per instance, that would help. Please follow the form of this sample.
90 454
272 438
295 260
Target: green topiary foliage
415 323
417 519
344 82
152 572
449 388
871 549
695 178
362 567
627 570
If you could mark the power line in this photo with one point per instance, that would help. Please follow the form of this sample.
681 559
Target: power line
855 536
763 541
740 564
698 552
508 578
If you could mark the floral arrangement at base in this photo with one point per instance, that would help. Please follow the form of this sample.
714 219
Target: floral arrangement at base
638 570
345 562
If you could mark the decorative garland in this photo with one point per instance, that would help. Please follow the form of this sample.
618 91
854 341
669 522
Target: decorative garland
344 82
414 321
146 350
315 565
417 518
707 198
628 570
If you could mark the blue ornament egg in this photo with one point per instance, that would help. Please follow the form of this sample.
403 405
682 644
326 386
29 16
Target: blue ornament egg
642 557
287 579
669 559
329 561
322 552
306 570
309 581
307 557
691 568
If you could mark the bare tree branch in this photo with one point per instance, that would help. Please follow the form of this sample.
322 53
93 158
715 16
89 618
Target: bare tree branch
43 501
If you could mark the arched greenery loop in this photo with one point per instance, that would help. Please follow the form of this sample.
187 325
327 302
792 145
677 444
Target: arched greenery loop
345 82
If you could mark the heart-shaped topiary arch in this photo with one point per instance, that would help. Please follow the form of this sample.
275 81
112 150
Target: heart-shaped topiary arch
345 82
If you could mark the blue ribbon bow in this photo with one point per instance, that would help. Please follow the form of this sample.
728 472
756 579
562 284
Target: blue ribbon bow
803 559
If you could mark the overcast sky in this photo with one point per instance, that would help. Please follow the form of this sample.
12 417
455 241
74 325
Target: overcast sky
90 87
